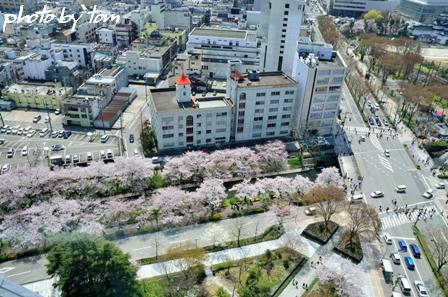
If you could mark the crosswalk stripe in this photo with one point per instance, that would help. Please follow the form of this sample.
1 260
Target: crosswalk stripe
386 163
392 219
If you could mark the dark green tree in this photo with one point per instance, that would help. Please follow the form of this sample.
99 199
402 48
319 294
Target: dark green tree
89 266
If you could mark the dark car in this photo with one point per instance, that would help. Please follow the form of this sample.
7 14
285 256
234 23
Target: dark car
131 138
57 147
66 134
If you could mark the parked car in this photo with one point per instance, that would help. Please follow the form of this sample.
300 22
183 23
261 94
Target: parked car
310 211
136 153
67 134
37 118
54 134
5 168
10 153
440 186
20 131
104 138
89 157
68 159
156 160
57 147
109 154
2 141
131 138
75 159
25 151
387 238
61 134
377 194
409 262
387 153
44 132
395 258
403 246
102 155
47 119
421 289
31 133
57 111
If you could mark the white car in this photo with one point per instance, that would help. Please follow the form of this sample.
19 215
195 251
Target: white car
395 258
387 153
25 151
421 289
31 133
5 168
440 186
387 238
377 194
428 194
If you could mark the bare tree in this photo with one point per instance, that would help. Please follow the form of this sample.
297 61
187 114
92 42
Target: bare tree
327 200
439 247
238 229
363 219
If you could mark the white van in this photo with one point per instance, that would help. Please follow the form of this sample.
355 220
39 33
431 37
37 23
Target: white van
43 132
357 198
400 189
405 286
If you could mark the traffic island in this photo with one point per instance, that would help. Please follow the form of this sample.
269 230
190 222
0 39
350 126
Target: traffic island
320 233
350 246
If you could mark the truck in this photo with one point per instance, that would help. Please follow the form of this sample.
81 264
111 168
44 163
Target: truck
56 160
387 271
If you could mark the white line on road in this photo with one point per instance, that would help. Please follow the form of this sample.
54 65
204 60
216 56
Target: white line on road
401 237
424 181
17 274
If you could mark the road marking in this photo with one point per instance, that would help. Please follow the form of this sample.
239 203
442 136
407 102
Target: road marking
386 163
6 269
401 237
142 248
17 274
424 181
376 143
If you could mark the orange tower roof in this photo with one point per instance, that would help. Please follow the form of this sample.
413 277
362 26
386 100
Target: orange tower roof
183 80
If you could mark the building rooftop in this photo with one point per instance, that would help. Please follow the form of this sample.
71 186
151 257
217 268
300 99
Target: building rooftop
165 101
336 61
215 32
266 79
11 289
40 89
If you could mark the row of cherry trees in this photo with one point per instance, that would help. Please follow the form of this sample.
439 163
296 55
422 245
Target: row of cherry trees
242 162
28 185
170 206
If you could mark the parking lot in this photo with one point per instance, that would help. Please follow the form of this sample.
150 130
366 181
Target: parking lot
40 148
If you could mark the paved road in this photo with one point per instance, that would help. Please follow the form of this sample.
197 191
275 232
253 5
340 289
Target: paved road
384 173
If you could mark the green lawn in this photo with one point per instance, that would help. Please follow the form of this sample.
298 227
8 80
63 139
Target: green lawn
295 162
259 276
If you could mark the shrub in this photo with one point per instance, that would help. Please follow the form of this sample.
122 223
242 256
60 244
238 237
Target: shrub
286 264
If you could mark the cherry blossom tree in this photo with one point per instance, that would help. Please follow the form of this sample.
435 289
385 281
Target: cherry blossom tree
330 177
272 157
213 192
341 274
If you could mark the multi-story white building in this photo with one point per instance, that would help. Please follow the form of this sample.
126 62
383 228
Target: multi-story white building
320 85
181 119
280 28
105 36
217 46
80 53
263 103
36 65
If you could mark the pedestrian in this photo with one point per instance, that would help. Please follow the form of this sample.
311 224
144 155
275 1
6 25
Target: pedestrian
320 258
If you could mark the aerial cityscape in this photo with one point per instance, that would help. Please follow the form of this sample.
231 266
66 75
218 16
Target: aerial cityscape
223 148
